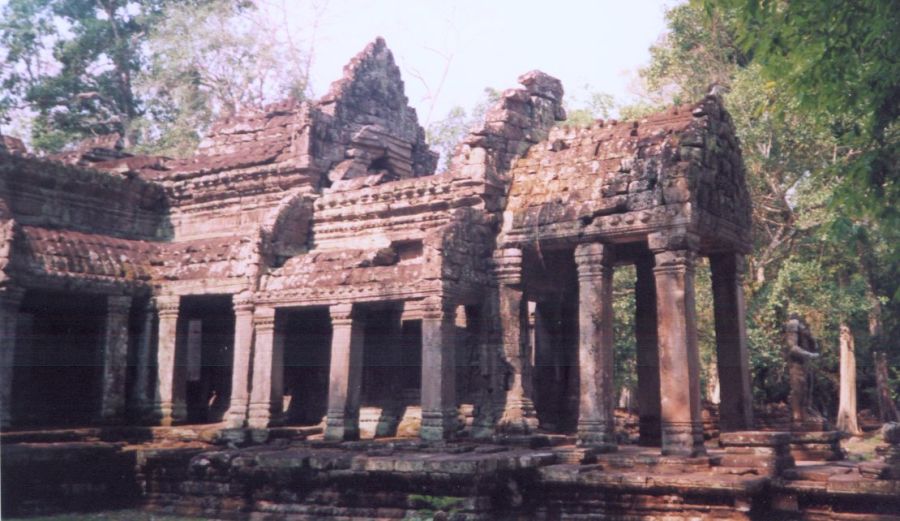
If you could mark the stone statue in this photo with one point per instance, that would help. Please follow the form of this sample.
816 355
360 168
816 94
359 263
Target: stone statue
801 347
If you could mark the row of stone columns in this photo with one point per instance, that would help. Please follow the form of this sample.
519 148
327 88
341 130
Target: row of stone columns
668 362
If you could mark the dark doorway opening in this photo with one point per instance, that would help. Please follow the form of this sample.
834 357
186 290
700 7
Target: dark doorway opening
59 359
206 335
307 360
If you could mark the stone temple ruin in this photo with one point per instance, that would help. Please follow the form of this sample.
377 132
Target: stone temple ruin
307 264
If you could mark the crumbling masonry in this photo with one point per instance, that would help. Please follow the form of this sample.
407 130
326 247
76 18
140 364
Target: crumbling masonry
308 263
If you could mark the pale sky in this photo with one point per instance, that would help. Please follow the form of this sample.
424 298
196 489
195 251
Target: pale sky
488 43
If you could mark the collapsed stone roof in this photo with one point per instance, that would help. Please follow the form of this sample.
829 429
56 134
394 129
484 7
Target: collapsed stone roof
615 181
336 199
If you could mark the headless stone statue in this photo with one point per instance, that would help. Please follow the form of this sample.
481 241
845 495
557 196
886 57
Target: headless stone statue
801 347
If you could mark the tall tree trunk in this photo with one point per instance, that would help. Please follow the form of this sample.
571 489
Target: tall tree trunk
846 417
887 409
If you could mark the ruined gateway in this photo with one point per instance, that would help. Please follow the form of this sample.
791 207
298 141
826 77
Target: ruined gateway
306 275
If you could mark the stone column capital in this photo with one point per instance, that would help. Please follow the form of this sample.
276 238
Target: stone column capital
167 305
344 314
242 303
118 304
264 318
675 260
593 260
508 266
436 307
677 239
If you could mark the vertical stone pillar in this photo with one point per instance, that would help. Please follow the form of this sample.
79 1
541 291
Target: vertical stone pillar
519 415
679 359
140 396
171 391
345 388
647 348
596 410
439 408
115 358
268 372
242 365
732 359
10 300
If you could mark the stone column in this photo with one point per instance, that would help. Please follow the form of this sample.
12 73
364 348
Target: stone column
115 358
240 373
344 390
596 410
732 360
140 396
170 395
439 407
519 415
679 359
268 372
10 300
646 345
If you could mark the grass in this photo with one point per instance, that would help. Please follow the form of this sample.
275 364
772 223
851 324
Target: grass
862 448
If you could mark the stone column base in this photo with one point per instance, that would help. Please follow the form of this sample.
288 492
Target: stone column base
439 425
519 417
598 435
338 427
682 439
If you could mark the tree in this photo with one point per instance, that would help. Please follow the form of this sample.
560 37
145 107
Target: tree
846 416
839 62
72 62
797 169
211 61
445 134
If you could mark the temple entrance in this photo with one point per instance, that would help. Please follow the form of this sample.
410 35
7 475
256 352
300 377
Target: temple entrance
59 359
307 358
392 373
552 327
206 333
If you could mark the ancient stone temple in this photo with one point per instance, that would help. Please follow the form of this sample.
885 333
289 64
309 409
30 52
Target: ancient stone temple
308 263
305 321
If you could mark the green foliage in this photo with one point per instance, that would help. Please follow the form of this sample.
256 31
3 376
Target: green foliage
428 506
72 62
825 229
156 71
838 63
199 70
443 135
585 110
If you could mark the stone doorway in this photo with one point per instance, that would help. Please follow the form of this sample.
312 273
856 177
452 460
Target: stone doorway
59 360
307 362
392 373
206 332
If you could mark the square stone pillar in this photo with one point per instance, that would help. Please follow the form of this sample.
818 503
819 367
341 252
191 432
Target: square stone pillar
732 359
140 395
115 358
519 415
268 372
10 300
679 359
240 373
646 345
596 410
439 407
170 378
345 387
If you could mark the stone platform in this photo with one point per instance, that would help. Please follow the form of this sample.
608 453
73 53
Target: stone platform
293 475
